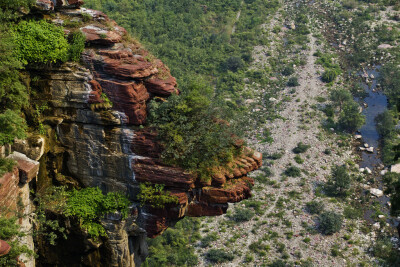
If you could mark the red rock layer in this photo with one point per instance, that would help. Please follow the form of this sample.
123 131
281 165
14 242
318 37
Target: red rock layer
211 198
125 73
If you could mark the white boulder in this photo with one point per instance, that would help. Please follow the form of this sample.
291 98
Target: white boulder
376 192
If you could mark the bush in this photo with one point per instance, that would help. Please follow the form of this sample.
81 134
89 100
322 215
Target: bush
11 126
89 205
350 118
155 196
293 171
172 248
77 41
329 76
301 148
10 232
315 207
6 165
330 222
40 42
219 256
205 241
242 215
340 181
293 82
191 130
234 64
352 212
288 70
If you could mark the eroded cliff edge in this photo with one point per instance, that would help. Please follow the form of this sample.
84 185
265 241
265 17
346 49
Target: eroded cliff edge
110 145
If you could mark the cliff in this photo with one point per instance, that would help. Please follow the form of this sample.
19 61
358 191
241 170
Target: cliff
110 145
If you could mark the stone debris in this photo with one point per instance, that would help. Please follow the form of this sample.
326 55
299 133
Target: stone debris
370 149
376 192
395 168
358 136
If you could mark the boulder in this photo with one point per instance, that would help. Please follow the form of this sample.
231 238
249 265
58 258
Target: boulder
395 168
4 248
376 192
370 149
358 136
384 46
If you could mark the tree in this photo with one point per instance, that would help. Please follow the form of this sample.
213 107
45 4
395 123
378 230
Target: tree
330 222
350 118
339 97
13 94
392 182
340 180
11 126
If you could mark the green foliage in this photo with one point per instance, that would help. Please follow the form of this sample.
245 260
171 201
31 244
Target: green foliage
89 205
192 131
293 82
392 182
205 241
9 232
384 250
288 70
173 248
242 214
330 222
350 118
329 76
219 256
301 148
385 125
293 171
6 165
339 97
340 181
11 126
298 159
390 79
155 195
315 207
11 10
352 212
40 42
13 94
77 44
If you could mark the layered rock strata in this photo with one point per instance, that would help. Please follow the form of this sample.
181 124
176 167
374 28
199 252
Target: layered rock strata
98 110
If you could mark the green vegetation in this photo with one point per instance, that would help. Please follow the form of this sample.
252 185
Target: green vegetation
88 205
77 41
330 222
6 165
293 82
12 126
40 42
219 256
392 182
9 232
292 171
155 195
339 182
242 215
173 248
350 118
315 207
385 125
188 130
301 148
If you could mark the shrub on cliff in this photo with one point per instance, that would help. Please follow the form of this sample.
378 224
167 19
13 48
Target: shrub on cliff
155 195
77 44
40 42
192 132
11 126
9 232
90 204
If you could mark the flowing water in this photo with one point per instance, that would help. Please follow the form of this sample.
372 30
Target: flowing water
376 103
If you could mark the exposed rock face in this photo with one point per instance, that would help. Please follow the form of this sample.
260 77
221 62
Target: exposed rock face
104 146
